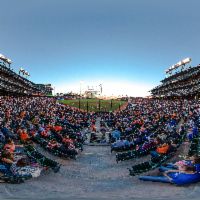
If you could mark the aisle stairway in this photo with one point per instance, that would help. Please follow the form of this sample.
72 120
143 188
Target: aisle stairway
98 124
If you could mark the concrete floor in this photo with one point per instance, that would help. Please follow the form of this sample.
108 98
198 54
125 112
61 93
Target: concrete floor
95 175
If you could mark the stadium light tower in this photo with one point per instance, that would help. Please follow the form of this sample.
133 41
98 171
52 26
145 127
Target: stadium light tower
181 64
5 60
9 62
101 88
81 83
54 90
24 72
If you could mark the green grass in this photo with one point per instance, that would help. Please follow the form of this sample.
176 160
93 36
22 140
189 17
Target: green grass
93 104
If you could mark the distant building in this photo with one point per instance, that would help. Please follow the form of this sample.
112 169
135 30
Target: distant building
71 95
46 89
91 93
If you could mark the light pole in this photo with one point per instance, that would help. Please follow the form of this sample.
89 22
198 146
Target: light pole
79 104
81 82
54 91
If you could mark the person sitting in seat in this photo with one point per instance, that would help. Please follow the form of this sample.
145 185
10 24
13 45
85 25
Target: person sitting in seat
93 128
24 137
52 144
68 149
7 157
196 162
66 140
181 165
180 173
10 146
44 134
161 150
183 169
68 143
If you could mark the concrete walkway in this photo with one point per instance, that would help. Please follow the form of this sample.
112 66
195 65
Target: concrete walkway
95 175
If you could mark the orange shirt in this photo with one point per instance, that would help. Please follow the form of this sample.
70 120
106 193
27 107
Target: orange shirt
163 149
24 136
57 128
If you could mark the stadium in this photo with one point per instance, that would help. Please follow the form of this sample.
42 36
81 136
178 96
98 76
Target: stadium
119 134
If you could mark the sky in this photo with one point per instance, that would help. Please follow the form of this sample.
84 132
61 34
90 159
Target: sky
125 45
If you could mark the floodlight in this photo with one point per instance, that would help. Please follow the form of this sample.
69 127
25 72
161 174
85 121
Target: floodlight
2 57
9 61
173 67
186 60
178 64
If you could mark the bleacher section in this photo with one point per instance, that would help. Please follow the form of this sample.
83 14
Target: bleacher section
185 83
12 83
